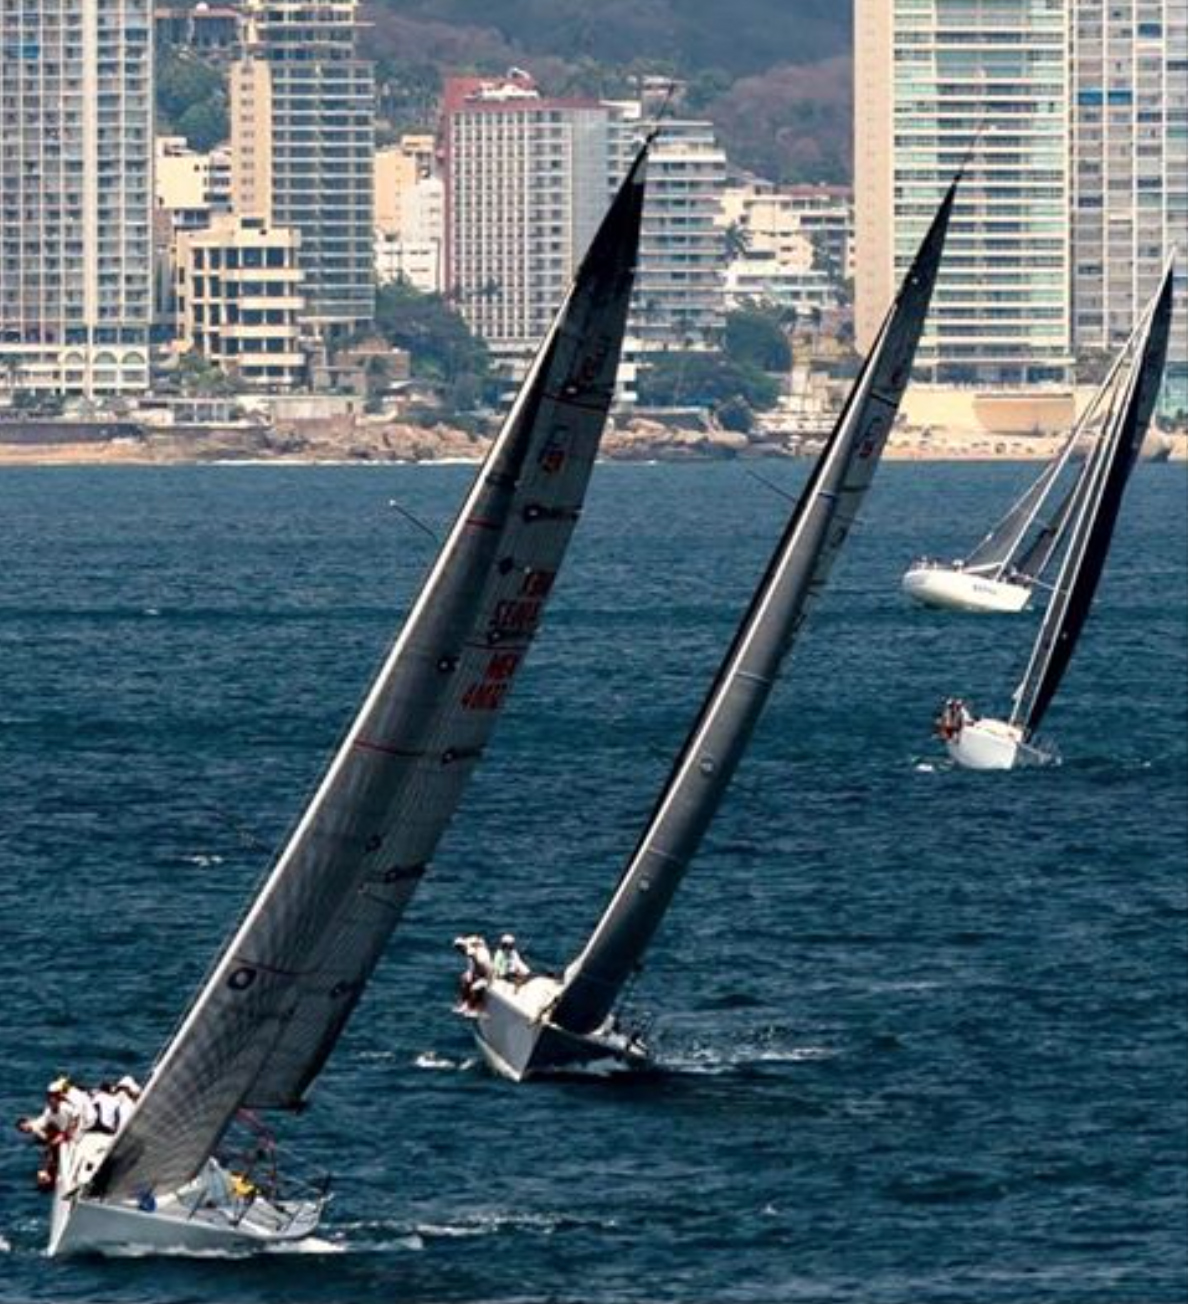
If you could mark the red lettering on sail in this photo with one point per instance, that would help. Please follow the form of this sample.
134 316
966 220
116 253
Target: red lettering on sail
537 583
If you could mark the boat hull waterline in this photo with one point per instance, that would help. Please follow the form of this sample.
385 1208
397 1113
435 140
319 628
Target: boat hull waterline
185 1223
994 745
517 1040
960 590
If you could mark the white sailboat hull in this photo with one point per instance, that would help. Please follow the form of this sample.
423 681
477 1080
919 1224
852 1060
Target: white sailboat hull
993 745
960 590
517 1040
184 1223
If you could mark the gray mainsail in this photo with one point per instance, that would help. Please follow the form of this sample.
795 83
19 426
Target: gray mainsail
796 574
1091 533
281 992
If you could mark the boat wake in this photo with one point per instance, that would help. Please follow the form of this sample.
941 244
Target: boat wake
429 1059
715 1061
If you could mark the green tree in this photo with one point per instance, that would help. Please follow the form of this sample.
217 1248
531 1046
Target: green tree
755 337
440 344
191 98
707 379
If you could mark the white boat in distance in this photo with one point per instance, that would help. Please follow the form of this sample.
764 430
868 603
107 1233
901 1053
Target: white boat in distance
1131 394
280 995
546 1023
1002 571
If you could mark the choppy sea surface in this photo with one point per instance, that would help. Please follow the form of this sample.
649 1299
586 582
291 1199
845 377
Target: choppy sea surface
921 1031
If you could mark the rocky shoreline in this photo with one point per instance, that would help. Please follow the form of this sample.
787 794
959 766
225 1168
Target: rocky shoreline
372 440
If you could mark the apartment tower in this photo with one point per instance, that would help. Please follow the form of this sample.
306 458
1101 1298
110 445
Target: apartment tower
1128 143
986 82
302 114
76 203
526 188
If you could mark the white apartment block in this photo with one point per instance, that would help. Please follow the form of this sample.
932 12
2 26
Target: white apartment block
678 301
303 144
789 246
1128 144
239 299
936 81
527 185
410 216
76 203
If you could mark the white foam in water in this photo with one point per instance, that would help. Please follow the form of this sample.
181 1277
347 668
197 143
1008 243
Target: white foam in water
5 1245
429 1059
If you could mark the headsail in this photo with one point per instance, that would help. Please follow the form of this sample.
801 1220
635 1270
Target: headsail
797 572
282 991
993 555
1095 521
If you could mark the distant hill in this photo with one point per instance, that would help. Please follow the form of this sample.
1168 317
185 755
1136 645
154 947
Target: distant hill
774 75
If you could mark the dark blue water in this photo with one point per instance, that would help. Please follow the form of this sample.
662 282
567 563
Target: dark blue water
922 1029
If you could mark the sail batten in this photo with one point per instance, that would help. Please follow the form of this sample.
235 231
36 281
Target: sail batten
272 1009
796 573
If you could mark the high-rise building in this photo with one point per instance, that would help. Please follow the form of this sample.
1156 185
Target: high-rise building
76 202
302 114
943 81
527 183
678 301
1128 59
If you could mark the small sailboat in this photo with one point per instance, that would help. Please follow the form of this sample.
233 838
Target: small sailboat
528 1024
280 995
1130 392
1002 571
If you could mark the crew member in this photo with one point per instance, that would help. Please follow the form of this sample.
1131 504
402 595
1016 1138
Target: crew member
108 1105
508 963
68 1112
473 981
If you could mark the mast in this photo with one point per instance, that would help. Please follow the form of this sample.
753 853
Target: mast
1092 531
279 996
796 574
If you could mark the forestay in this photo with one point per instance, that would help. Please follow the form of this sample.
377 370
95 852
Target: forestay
1091 533
796 574
279 996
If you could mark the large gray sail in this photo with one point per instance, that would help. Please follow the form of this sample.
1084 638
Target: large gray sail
994 553
1091 534
795 576
280 994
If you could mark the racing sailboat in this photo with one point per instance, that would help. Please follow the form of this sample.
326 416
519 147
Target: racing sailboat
279 996
1001 572
990 744
541 1022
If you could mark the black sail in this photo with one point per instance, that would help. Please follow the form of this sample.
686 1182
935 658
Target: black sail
796 574
283 989
1091 534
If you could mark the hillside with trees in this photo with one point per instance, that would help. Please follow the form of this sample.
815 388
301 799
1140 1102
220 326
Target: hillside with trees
773 75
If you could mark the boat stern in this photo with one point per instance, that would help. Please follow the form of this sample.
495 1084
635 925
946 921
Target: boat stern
993 745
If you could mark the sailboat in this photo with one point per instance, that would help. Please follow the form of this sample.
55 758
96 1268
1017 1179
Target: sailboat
281 992
999 575
547 1023
1130 393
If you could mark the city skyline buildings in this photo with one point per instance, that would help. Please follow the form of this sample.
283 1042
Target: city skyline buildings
76 200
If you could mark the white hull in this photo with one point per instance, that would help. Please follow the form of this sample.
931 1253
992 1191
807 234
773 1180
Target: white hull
517 1040
185 1223
960 590
993 745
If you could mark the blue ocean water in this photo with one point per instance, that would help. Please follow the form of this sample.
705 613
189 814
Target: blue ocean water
921 1030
